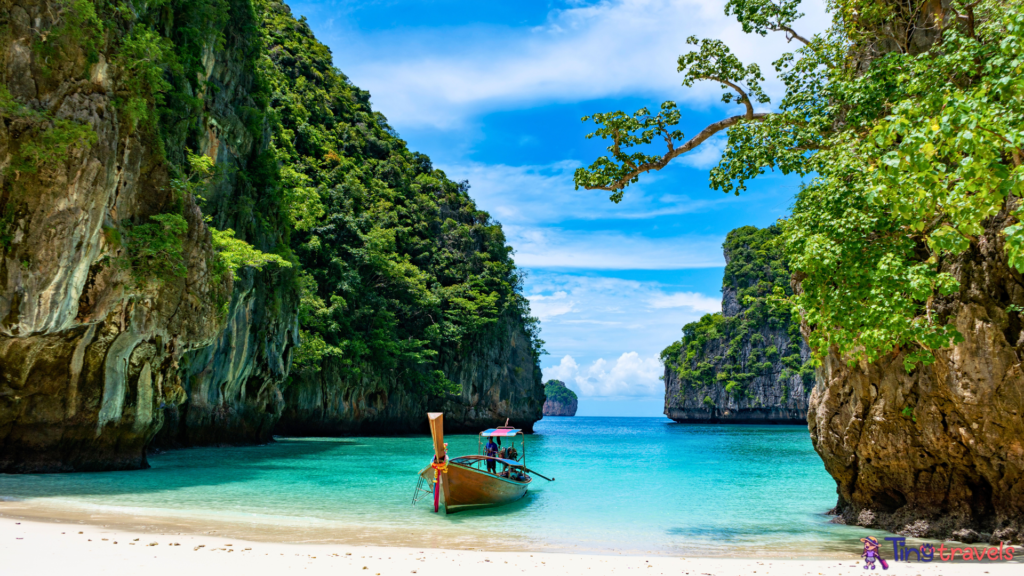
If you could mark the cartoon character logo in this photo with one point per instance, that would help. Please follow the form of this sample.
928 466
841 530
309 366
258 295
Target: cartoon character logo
871 554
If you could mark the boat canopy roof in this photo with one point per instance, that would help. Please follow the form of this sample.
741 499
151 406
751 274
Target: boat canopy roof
501 432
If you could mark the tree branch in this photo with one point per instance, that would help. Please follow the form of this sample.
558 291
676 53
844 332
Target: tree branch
743 95
1014 151
968 19
792 35
931 226
692 143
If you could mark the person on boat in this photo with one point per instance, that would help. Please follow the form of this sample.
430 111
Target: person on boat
504 454
491 449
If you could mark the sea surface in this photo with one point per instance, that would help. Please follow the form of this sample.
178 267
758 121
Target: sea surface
622 485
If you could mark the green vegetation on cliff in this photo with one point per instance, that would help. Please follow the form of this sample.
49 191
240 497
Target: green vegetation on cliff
399 264
312 204
755 271
159 79
556 390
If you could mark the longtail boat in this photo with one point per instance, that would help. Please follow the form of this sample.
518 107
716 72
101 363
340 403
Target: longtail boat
478 479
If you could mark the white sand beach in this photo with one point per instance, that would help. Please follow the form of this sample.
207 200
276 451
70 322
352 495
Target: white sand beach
43 548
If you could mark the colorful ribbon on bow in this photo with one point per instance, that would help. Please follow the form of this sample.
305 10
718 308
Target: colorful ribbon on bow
439 468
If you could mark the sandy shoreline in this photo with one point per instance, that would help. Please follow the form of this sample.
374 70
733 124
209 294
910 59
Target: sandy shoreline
35 547
297 531
314 531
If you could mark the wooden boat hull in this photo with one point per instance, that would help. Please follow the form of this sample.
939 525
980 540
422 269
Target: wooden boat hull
468 488
471 487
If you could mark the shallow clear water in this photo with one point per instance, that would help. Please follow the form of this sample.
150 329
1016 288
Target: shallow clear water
622 485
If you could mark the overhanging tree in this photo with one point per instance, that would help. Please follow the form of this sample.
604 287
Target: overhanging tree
907 116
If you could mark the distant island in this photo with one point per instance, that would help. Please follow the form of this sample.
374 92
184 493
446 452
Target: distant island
560 401
747 363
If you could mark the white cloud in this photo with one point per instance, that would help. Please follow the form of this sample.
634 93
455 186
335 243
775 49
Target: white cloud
593 322
544 194
547 307
598 299
629 375
707 155
610 250
439 77
610 316
565 370
693 300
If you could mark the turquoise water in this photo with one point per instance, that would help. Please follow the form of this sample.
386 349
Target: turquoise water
622 485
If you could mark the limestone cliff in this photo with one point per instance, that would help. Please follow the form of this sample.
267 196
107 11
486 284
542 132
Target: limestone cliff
748 364
115 309
410 298
150 159
559 400
937 452
497 381
234 386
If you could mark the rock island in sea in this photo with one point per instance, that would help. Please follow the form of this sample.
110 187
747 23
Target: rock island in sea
560 400
748 363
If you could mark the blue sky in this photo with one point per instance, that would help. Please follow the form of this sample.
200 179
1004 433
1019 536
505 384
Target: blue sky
494 91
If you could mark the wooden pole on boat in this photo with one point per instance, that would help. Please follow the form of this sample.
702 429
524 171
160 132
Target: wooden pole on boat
535 473
437 433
